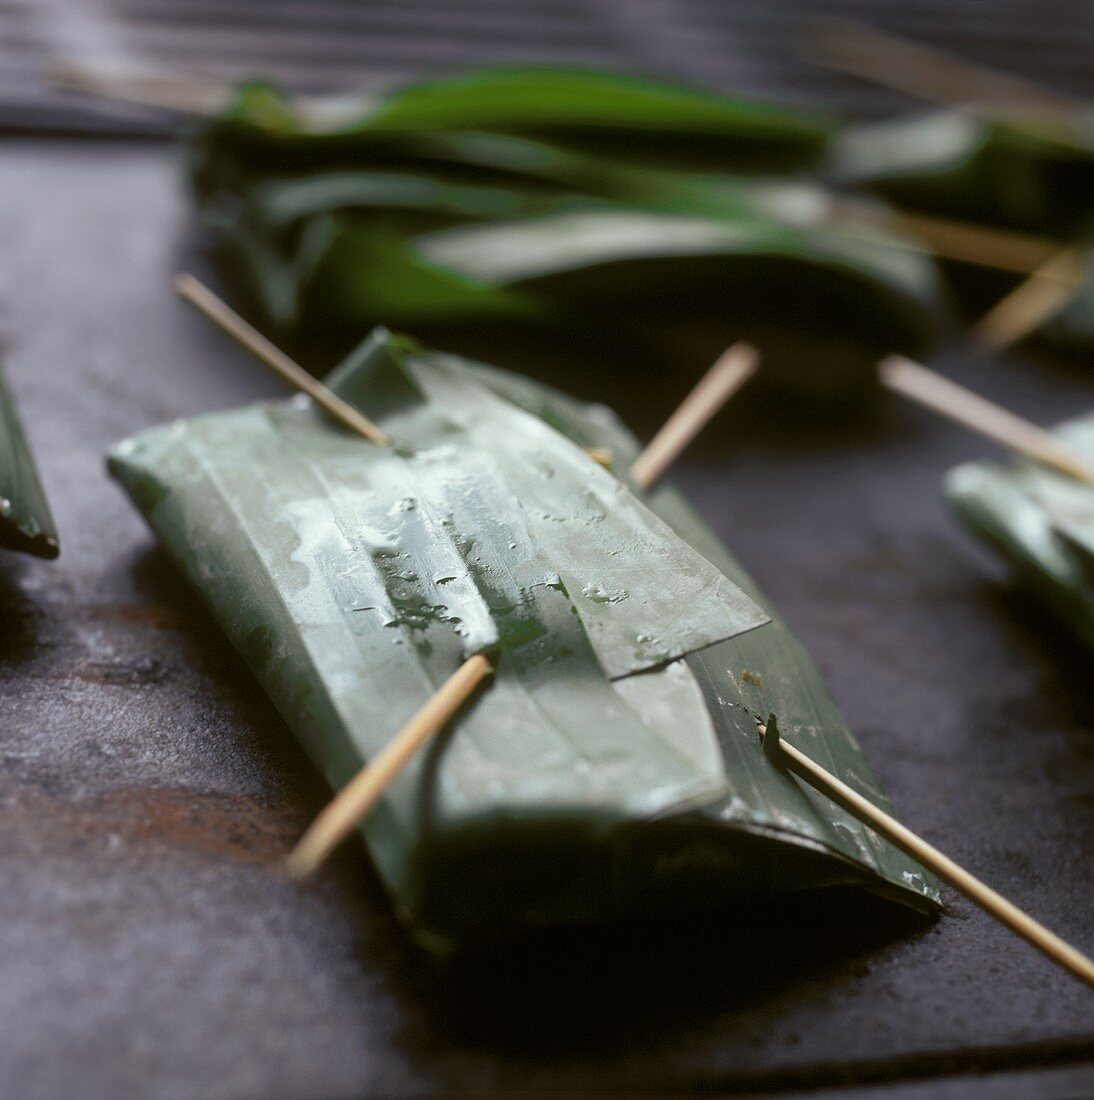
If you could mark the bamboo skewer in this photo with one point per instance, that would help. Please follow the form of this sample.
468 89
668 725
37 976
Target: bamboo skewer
186 95
732 369
887 826
226 318
1034 301
967 242
914 381
222 315
340 816
934 75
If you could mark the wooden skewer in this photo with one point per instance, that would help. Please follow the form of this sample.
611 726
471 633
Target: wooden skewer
912 380
164 91
341 815
182 93
221 314
1024 253
934 75
732 369
887 826
1033 301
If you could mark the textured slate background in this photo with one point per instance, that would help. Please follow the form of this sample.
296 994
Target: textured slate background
147 790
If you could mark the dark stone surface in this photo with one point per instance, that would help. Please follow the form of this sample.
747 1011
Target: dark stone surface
148 945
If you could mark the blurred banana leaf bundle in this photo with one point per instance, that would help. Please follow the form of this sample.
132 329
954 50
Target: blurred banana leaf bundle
1023 174
1041 521
25 520
644 222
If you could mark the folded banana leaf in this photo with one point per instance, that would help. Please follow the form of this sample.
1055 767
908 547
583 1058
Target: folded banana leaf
611 767
25 520
1041 521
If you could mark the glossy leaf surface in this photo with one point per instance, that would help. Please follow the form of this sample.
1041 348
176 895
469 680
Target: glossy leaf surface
635 119
611 767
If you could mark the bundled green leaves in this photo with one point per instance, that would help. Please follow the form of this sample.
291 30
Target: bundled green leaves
556 206
25 520
611 767
1034 178
1016 174
1041 521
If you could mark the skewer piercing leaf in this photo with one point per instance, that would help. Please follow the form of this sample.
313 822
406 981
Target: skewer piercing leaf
226 318
222 315
341 815
474 850
1008 914
967 242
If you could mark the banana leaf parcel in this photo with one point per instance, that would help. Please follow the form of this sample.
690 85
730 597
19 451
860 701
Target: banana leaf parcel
454 221
611 767
1041 521
25 520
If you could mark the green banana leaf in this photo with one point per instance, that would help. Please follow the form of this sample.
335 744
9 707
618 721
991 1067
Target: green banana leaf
671 281
25 520
611 766
623 117
1041 521
1019 177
